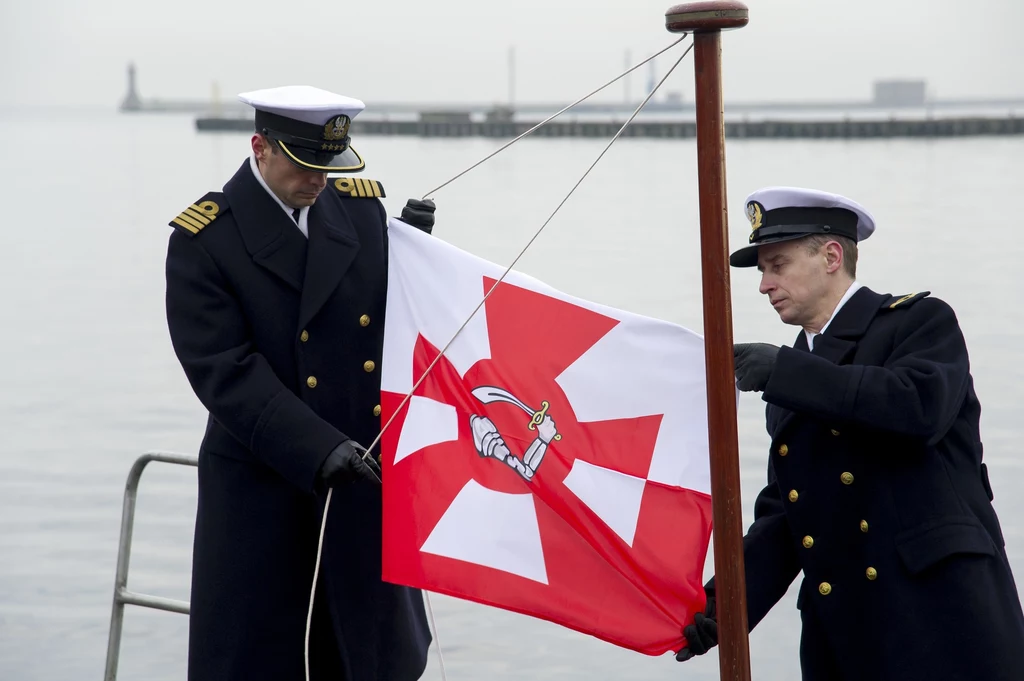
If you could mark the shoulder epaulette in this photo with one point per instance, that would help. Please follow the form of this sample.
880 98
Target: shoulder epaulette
200 214
359 187
904 301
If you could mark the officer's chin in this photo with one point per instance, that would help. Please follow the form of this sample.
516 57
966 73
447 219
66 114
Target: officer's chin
305 198
787 315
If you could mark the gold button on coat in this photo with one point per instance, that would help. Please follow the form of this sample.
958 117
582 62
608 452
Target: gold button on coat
376 410
364 320
793 495
808 542
835 432
311 381
369 366
304 336
783 450
847 478
871 573
824 588
863 526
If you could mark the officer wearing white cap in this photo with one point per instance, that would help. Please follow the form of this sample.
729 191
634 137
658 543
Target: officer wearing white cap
310 125
779 214
276 291
876 489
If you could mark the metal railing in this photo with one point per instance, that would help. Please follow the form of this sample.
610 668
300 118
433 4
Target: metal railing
122 595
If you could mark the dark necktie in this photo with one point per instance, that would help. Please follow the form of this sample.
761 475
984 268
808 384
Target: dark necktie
295 214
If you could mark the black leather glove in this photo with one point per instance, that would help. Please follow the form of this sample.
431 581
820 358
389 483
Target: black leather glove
754 364
419 214
347 463
702 635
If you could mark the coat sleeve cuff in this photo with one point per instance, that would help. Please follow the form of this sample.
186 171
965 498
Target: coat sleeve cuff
293 440
806 383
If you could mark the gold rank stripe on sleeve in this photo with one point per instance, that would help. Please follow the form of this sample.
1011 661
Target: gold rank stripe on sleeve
199 215
359 187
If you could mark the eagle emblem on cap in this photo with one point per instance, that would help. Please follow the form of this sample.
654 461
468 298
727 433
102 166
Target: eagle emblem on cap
336 128
755 213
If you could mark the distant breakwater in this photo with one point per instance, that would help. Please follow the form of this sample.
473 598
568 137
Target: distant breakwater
759 129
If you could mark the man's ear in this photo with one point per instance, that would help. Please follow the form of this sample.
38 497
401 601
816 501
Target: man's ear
833 256
260 147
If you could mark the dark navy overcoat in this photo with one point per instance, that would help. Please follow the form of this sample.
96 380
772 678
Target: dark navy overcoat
878 494
281 340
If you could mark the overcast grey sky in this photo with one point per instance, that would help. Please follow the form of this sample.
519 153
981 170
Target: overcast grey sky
75 52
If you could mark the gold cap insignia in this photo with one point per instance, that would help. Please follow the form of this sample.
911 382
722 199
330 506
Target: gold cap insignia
336 128
755 213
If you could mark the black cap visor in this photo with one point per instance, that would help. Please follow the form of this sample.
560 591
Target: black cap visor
348 161
747 256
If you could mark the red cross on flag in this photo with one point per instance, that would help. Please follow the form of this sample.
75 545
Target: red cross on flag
554 462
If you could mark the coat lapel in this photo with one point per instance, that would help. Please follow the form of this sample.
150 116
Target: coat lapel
270 236
837 344
839 341
333 245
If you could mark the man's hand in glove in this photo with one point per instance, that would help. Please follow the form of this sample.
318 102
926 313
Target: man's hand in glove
754 364
419 214
702 635
347 463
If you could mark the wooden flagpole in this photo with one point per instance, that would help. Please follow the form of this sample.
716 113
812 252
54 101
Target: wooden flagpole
706 21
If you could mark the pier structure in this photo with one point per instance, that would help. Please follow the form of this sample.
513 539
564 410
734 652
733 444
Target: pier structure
462 124
898 108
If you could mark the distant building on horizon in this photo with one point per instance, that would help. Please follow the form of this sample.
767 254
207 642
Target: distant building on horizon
889 93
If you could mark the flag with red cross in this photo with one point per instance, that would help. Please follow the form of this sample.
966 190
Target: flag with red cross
554 461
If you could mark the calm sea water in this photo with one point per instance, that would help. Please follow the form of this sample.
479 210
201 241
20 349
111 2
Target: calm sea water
90 381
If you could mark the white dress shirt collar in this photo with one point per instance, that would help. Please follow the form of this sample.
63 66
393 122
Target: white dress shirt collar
842 301
302 223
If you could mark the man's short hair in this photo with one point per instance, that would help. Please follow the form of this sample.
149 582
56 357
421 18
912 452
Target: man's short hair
849 246
269 143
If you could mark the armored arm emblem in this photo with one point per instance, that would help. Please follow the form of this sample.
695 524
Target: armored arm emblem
490 443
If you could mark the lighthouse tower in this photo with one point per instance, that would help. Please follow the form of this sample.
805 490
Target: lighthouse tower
131 100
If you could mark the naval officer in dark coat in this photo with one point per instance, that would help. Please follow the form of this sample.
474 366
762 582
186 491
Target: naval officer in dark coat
876 487
275 305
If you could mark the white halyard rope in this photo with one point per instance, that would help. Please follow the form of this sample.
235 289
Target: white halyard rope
556 115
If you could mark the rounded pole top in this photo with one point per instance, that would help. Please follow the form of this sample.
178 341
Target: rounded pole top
706 16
